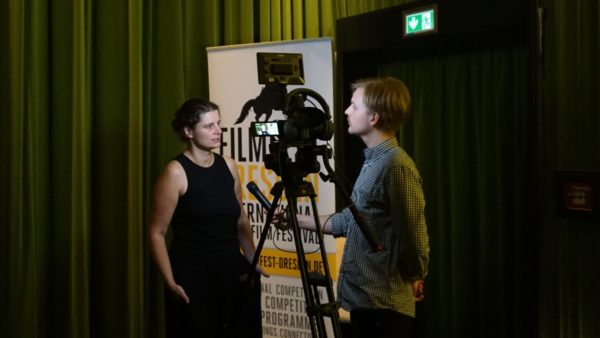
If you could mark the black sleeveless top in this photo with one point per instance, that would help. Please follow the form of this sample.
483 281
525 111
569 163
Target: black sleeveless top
205 219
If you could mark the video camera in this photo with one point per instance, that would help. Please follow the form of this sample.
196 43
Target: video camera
303 126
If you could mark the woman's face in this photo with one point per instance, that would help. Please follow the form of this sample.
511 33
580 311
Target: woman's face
206 134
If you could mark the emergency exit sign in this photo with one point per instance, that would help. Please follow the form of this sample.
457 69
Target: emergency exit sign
421 20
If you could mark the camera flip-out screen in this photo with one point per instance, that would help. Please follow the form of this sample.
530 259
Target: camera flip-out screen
264 128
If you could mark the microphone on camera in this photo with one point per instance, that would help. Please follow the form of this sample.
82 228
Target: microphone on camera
255 191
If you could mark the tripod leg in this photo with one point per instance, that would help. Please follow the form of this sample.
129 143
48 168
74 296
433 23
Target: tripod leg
316 326
327 272
311 281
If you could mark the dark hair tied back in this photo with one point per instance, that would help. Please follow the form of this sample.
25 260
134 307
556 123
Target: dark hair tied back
190 113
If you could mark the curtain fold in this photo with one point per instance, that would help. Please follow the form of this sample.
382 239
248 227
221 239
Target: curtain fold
297 19
351 7
570 121
135 173
79 155
24 201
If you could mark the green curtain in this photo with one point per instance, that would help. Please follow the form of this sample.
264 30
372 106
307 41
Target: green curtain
469 136
570 120
24 176
345 8
87 91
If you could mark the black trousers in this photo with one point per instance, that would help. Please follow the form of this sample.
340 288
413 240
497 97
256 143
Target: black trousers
222 304
379 323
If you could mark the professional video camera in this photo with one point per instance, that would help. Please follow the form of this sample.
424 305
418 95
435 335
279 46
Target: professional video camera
301 129
304 124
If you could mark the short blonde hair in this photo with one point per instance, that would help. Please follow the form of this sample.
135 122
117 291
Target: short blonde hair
388 97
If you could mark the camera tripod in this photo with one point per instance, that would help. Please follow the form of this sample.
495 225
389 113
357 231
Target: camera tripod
311 280
296 187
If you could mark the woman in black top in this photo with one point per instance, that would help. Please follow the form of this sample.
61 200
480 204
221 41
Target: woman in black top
199 195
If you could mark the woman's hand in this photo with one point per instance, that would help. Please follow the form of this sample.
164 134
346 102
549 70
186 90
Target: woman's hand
262 271
179 293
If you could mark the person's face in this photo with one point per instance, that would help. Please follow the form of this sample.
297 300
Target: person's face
206 134
358 116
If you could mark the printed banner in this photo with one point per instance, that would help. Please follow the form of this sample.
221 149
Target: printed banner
234 83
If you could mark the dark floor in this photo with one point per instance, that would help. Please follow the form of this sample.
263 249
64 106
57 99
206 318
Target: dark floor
345 326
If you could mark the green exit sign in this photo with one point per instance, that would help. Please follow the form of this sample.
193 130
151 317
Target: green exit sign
421 20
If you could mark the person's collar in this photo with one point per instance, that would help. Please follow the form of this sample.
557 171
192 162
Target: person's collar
381 148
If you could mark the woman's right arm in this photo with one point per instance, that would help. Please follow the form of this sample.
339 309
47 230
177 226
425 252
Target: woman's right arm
171 184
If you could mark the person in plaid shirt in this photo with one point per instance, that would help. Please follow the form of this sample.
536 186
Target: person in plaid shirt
380 289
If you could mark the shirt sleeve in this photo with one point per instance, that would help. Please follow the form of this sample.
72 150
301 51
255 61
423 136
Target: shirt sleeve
340 222
407 204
